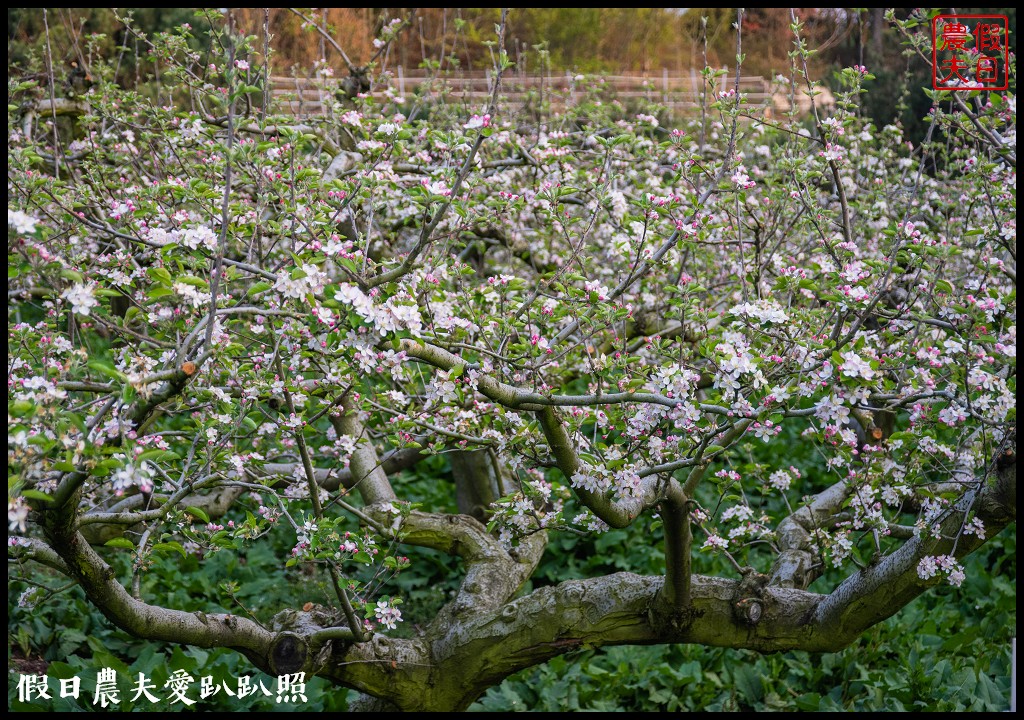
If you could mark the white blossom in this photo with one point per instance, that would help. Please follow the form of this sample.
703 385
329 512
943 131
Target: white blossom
82 298
22 223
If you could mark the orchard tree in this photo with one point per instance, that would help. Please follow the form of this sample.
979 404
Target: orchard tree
225 325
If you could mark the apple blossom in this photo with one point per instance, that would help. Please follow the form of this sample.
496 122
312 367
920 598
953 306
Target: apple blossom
82 298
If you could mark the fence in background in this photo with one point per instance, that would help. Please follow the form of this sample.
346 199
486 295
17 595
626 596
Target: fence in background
678 92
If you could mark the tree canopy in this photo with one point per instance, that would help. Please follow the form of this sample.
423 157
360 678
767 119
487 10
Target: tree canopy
783 348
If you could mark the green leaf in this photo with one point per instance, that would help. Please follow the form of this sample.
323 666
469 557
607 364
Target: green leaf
160 275
159 455
748 682
120 543
193 280
60 671
198 512
172 546
106 369
901 435
809 701
20 408
36 495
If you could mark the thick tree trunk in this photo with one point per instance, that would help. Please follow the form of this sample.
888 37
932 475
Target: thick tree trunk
477 483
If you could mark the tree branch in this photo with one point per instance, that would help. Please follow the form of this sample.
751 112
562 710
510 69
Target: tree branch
493 573
879 591
333 478
368 476
675 514
140 619
617 513
25 548
795 565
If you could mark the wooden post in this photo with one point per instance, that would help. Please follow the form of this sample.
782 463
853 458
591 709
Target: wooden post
401 81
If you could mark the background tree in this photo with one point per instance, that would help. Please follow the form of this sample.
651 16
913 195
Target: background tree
225 326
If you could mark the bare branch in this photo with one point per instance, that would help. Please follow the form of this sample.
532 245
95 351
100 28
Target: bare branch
797 565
